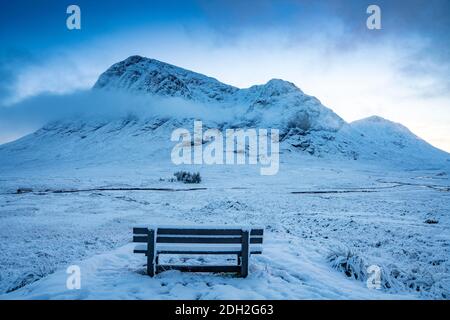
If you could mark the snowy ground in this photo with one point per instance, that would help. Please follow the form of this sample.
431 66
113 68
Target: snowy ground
382 221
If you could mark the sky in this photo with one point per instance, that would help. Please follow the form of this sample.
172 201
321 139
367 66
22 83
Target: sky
401 72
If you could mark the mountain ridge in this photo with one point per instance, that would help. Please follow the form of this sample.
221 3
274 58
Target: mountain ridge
306 126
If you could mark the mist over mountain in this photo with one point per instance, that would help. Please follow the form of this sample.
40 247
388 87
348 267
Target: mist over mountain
138 102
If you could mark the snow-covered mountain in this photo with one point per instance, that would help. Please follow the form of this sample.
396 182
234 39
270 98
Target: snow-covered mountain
391 140
306 126
277 103
142 75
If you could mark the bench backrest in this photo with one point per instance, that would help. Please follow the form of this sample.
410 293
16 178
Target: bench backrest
198 235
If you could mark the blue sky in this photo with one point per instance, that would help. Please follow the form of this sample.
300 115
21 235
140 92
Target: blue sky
401 72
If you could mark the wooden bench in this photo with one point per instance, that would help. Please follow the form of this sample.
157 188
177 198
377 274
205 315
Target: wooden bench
155 241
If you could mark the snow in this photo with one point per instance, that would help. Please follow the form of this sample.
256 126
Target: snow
387 200
306 126
395 140
44 233
142 75
120 275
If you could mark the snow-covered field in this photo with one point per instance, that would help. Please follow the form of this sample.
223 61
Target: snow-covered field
347 196
382 221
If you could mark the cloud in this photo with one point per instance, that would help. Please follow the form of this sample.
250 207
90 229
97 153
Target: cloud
61 73
401 72
12 61
31 114
416 29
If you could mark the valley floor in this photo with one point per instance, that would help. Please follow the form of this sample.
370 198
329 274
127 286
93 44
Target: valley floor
320 218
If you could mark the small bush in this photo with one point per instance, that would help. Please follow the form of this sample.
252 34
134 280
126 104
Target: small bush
187 177
346 261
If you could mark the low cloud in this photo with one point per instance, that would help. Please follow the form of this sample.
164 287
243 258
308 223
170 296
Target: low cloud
400 72
31 114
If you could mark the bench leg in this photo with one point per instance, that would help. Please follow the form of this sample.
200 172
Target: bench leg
245 253
151 253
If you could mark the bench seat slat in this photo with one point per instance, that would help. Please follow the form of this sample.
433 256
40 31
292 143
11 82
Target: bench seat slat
197 252
196 239
198 232
140 230
204 268
161 239
142 239
198 249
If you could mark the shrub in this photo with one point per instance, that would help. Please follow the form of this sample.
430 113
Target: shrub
187 177
346 261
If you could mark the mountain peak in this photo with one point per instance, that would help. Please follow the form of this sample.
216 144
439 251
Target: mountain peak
304 123
134 59
276 87
380 128
141 61
380 122
376 119
139 74
281 84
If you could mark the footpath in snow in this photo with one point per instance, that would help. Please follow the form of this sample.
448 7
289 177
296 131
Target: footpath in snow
282 272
